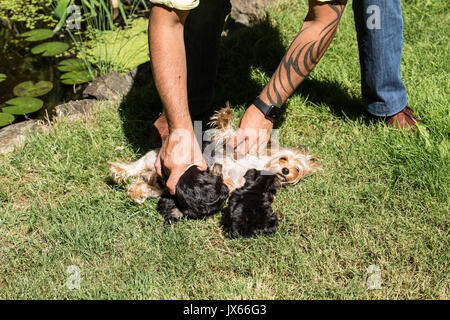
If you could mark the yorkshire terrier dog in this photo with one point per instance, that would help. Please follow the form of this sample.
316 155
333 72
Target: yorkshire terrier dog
249 211
290 166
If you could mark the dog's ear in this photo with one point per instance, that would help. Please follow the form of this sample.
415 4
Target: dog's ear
271 182
216 170
251 175
277 183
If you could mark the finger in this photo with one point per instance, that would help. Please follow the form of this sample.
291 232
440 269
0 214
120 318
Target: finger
203 165
173 180
242 149
158 166
236 140
262 146
253 146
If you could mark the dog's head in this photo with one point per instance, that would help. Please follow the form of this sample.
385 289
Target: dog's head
291 166
200 193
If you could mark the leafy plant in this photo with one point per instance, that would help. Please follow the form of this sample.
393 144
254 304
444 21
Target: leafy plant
38 34
76 77
50 49
75 72
2 77
71 65
5 119
31 89
103 42
23 105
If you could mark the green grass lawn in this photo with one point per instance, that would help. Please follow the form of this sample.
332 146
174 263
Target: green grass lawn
382 199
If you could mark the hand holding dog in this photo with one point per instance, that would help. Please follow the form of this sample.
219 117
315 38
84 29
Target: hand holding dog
178 152
253 133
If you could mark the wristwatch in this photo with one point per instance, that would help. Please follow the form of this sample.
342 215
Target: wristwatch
271 112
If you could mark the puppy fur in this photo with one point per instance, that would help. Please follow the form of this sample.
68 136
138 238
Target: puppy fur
289 165
249 212
199 194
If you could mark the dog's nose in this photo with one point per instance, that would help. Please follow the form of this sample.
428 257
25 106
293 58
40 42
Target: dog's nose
285 171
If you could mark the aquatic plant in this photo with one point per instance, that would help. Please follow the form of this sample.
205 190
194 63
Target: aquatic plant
71 65
31 89
50 49
28 12
76 77
6 118
105 44
37 34
23 105
75 72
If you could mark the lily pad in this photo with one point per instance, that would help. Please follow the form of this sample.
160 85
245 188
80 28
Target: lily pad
23 105
2 77
71 65
5 119
50 49
76 77
30 89
38 34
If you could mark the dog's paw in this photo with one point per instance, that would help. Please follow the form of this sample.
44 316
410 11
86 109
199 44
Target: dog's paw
140 191
118 171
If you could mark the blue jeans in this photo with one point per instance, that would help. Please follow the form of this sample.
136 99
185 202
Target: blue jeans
380 43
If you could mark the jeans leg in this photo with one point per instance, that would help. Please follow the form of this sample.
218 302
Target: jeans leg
202 31
379 26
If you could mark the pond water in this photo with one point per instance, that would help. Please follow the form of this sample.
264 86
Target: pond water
19 64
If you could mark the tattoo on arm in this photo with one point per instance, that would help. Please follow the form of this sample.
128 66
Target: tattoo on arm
301 57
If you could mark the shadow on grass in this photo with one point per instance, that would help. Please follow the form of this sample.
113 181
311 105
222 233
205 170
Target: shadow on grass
242 52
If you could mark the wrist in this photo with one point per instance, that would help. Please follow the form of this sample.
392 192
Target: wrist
270 112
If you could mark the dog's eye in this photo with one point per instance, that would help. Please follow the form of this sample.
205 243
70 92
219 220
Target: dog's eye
283 159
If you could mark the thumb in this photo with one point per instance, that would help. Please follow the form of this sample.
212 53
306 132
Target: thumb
158 165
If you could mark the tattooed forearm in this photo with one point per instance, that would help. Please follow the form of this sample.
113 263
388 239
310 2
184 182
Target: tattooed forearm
304 53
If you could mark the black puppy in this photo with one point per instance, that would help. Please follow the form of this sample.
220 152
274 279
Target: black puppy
249 210
198 194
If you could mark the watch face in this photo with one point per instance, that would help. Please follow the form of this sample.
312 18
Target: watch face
274 112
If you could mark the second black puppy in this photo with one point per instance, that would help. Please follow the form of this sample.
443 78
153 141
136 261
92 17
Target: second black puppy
198 194
249 210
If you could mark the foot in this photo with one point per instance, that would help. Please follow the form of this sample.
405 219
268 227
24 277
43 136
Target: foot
405 120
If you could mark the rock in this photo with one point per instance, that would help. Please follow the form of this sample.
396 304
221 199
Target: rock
15 134
110 87
75 109
141 76
249 12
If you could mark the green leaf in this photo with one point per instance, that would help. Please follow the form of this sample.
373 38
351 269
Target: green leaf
23 105
38 34
2 77
71 65
61 13
76 77
50 49
30 89
5 119
61 8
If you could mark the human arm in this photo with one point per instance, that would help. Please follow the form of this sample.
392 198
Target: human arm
305 51
168 60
